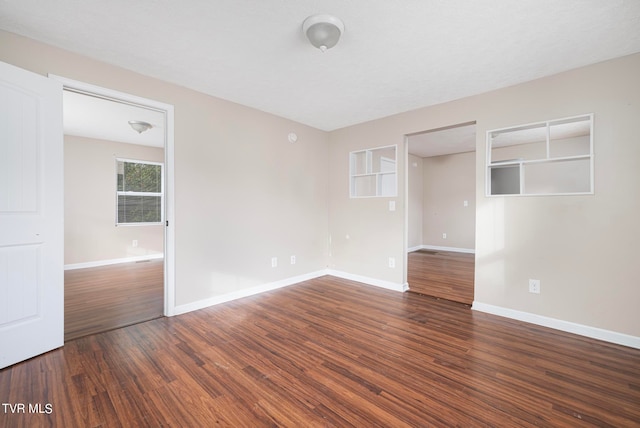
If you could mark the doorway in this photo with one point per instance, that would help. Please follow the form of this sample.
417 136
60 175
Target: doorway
118 240
440 220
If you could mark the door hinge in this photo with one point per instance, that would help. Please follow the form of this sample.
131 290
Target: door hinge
167 223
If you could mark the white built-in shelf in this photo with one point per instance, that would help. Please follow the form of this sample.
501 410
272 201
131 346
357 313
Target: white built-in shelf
554 157
373 172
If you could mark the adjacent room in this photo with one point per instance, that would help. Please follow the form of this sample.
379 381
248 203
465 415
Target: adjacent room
114 213
319 214
441 217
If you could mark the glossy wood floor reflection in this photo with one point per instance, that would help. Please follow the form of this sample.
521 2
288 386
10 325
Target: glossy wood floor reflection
107 297
330 352
442 274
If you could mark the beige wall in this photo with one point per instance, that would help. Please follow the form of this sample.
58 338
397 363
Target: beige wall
243 193
90 233
415 194
449 180
582 248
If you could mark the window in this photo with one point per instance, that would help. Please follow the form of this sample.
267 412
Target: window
372 172
140 193
547 158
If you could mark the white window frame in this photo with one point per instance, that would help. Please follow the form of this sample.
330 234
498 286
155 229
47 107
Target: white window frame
126 193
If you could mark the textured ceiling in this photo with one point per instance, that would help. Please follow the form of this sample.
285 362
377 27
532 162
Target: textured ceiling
394 56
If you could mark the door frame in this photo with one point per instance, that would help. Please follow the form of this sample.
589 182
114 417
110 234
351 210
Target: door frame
169 229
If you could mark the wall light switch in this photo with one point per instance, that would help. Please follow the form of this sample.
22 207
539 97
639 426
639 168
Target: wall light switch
466 203
274 262
392 205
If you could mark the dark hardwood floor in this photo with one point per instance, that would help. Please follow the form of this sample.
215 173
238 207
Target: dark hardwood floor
107 297
329 352
442 274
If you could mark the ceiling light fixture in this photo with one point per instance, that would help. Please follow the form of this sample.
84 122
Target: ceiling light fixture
323 31
139 126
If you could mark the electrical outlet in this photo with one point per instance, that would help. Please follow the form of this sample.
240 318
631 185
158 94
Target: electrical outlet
293 260
392 262
274 262
534 286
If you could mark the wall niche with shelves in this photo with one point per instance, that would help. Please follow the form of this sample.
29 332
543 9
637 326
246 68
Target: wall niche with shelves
373 172
554 157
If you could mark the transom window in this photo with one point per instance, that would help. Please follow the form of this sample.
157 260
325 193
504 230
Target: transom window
140 192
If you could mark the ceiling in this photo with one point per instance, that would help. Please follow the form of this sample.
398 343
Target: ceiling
394 56
103 119
446 141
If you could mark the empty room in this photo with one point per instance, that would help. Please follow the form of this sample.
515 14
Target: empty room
284 201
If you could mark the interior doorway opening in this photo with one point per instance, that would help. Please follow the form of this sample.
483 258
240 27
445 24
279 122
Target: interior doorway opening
440 224
118 243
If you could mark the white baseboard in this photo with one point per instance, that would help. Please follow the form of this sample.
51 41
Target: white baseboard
369 281
570 327
98 263
438 248
205 303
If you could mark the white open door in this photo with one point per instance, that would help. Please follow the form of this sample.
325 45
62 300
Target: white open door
31 215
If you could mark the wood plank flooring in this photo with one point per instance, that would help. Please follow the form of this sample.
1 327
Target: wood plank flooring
442 274
107 297
329 352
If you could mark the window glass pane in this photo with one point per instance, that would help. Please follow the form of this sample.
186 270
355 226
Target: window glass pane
140 177
120 176
139 209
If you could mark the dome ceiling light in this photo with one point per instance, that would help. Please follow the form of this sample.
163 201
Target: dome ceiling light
323 31
140 126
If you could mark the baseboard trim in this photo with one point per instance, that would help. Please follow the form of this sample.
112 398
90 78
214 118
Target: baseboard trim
438 248
567 326
205 303
99 263
369 281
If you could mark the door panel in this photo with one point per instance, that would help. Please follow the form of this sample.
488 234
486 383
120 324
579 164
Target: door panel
31 215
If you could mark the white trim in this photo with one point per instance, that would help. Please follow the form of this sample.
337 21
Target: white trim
169 231
205 303
567 326
369 281
438 248
99 263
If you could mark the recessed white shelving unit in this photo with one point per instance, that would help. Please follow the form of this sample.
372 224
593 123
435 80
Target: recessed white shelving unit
373 173
546 158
